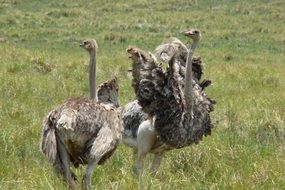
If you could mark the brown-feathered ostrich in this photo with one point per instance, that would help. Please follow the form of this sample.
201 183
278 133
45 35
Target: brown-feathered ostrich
172 110
83 130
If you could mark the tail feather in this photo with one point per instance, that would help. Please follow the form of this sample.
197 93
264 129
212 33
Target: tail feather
108 92
48 141
205 83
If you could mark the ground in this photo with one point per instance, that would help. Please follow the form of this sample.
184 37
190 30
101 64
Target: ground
42 65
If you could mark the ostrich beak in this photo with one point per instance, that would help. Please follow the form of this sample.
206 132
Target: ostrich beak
81 45
188 33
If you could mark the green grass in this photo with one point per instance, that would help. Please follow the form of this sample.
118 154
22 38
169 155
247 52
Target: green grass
41 65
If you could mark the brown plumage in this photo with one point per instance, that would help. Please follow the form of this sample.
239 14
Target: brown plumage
178 121
83 130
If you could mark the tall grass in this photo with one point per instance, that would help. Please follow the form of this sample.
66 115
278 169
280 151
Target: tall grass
41 66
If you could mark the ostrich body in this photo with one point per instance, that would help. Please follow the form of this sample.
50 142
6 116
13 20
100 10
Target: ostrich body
83 130
177 115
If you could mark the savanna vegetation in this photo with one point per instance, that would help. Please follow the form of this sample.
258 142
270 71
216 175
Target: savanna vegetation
41 65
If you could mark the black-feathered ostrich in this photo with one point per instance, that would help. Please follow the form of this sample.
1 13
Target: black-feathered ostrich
172 109
83 130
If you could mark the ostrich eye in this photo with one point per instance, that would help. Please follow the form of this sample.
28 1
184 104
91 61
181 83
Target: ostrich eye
195 32
85 43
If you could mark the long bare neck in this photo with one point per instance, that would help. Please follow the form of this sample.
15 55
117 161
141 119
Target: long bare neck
92 76
188 89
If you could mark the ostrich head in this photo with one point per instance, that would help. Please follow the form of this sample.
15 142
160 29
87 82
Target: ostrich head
194 34
90 45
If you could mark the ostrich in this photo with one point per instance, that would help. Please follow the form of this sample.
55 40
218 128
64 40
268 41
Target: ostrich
83 130
133 117
176 112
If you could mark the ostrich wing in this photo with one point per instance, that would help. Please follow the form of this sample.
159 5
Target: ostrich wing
168 48
148 80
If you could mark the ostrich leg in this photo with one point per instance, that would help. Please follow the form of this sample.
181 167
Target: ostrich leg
145 139
66 165
103 144
156 162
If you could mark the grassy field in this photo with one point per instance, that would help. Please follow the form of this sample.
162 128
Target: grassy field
243 47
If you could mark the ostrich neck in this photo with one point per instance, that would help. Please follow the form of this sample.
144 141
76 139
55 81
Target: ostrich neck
188 89
92 76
